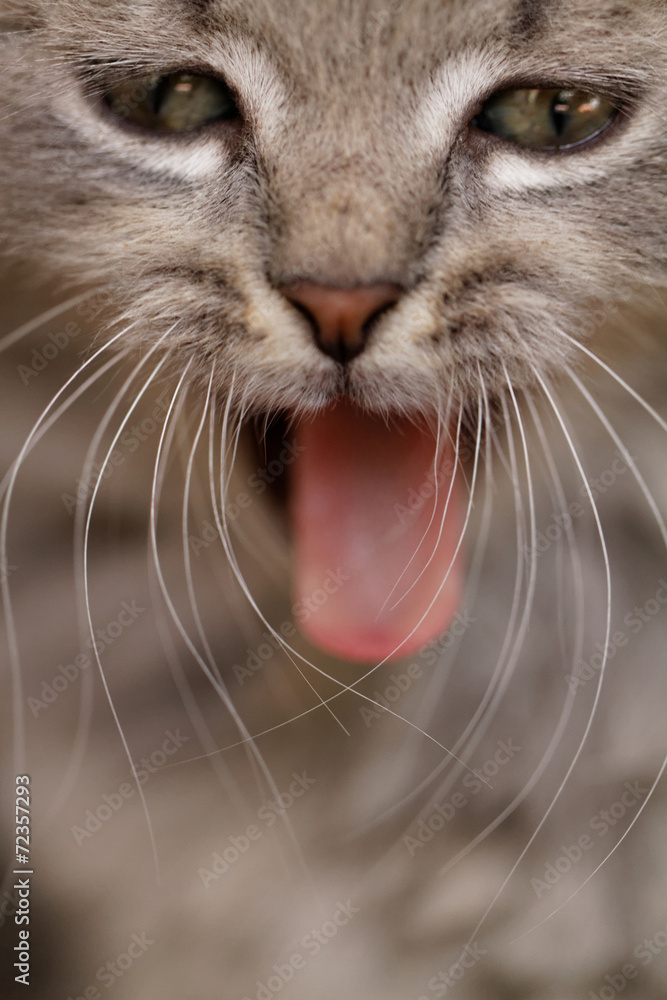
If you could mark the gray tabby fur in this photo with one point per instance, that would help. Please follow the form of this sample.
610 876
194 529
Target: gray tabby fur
356 166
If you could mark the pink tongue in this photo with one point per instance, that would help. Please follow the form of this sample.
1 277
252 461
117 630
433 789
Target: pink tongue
362 497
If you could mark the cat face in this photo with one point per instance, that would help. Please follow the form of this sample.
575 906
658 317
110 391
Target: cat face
383 210
358 153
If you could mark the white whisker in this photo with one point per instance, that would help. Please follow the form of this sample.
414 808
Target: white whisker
218 685
598 692
323 703
617 378
663 531
508 657
12 638
570 698
89 616
443 520
34 324
223 531
436 687
59 412
627 457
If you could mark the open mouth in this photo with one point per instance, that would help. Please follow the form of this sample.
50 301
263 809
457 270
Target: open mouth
376 515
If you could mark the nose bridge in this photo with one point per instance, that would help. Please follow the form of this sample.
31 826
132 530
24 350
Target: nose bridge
341 218
345 225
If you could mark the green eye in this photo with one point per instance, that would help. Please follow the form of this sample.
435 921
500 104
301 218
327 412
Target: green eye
178 102
545 119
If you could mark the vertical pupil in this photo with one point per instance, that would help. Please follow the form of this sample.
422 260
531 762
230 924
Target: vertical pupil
158 94
561 109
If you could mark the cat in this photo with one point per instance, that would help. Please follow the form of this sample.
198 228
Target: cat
333 358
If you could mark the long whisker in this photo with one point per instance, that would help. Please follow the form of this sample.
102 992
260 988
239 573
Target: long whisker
617 378
86 701
228 457
511 644
197 718
58 413
223 531
577 574
508 652
458 544
507 661
12 638
436 480
443 519
224 535
663 531
326 702
627 457
89 616
184 525
186 694
568 705
218 686
80 514
598 692
34 324
436 687
433 697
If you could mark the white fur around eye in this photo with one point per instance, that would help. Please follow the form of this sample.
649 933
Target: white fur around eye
512 170
195 159
188 163
252 74
455 89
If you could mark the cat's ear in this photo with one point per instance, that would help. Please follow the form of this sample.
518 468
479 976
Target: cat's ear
19 15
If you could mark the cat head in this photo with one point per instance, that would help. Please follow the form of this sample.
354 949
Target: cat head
341 147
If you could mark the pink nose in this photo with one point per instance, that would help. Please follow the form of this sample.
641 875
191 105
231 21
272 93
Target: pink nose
341 318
